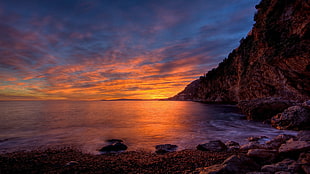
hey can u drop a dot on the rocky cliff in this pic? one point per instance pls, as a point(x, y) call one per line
point(272, 61)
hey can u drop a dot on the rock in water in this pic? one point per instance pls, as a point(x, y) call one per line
point(164, 148)
point(295, 117)
point(114, 147)
point(216, 146)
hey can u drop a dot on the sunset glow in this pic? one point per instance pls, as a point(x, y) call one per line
point(93, 50)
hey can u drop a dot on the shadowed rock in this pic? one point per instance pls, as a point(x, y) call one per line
point(303, 135)
point(165, 148)
point(295, 117)
point(216, 146)
point(114, 147)
point(294, 147)
point(263, 154)
point(236, 164)
point(287, 165)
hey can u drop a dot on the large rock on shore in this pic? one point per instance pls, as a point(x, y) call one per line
point(262, 109)
point(294, 147)
point(295, 117)
point(287, 165)
point(262, 154)
point(236, 164)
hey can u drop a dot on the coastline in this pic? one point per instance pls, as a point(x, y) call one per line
point(284, 153)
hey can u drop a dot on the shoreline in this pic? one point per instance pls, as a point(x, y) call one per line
point(284, 153)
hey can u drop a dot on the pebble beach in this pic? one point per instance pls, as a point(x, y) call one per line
point(71, 160)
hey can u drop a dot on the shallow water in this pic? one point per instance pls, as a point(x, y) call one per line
point(26, 125)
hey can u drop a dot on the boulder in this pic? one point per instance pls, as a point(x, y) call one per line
point(294, 147)
point(265, 108)
point(164, 148)
point(263, 154)
point(303, 135)
point(232, 165)
point(232, 146)
point(294, 118)
point(239, 164)
point(216, 146)
point(276, 142)
point(287, 165)
point(115, 147)
point(250, 145)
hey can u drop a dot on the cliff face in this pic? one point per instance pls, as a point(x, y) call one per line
point(272, 61)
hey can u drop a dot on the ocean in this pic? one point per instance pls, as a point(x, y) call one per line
point(29, 125)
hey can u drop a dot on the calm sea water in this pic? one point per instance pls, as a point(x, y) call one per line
point(26, 125)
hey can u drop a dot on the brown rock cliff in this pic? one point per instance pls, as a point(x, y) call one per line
point(272, 61)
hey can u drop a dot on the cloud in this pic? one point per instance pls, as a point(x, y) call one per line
point(113, 49)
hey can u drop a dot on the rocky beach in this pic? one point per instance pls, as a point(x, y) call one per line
point(283, 154)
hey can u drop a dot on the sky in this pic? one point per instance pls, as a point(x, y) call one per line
point(114, 49)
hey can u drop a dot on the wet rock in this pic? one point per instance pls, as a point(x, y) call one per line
point(258, 173)
point(304, 161)
point(295, 118)
point(115, 147)
point(263, 154)
point(294, 147)
point(232, 146)
point(262, 109)
point(164, 148)
point(276, 142)
point(250, 145)
point(287, 165)
point(303, 135)
point(215, 146)
point(257, 138)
